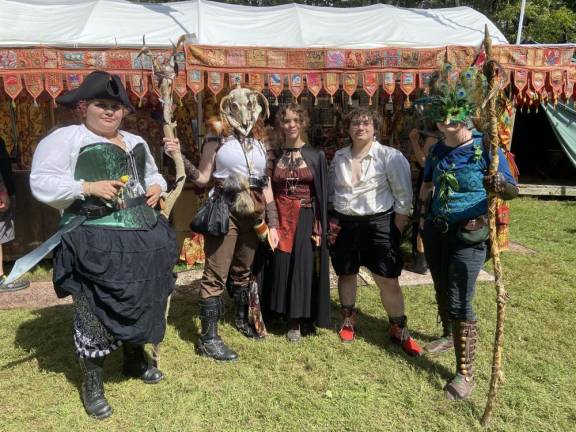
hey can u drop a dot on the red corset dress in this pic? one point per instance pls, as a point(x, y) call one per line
point(293, 190)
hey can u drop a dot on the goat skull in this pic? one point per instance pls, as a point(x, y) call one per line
point(241, 108)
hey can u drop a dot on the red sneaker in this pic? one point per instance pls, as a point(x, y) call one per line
point(347, 330)
point(401, 336)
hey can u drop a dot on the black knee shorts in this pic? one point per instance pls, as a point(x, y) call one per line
point(369, 241)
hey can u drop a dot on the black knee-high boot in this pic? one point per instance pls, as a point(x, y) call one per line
point(210, 344)
point(138, 365)
point(92, 391)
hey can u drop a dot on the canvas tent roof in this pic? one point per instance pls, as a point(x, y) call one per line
point(120, 23)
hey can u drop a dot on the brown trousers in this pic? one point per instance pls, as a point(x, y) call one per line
point(230, 254)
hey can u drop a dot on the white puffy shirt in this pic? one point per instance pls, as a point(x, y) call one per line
point(52, 177)
point(385, 182)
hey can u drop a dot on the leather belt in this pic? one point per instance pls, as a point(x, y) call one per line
point(94, 211)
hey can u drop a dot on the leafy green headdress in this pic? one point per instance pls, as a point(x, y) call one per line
point(454, 96)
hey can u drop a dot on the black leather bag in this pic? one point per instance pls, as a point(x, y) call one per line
point(212, 218)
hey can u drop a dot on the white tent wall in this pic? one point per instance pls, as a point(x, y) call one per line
point(120, 23)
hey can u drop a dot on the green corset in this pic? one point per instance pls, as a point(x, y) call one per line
point(106, 161)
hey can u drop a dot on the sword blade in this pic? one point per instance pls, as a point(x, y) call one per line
point(25, 263)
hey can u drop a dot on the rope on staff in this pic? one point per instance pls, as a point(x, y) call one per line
point(166, 74)
point(497, 376)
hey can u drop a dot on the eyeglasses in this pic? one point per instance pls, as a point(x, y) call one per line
point(358, 123)
point(108, 106)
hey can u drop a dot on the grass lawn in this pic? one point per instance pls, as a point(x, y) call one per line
point(320, 384)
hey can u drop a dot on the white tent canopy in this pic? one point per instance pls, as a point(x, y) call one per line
point(109, 23)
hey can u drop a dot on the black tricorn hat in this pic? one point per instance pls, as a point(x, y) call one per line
point(97, 85)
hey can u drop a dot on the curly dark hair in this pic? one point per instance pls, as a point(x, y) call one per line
point(357, 113)
point(302, 115)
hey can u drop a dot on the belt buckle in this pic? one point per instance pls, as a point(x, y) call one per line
point(441, 225)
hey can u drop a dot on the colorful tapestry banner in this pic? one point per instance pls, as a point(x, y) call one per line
point(195, 80)
point(180, 84)
point(389, 82)
point(215, 82)
point(73, 80)
point(12, 85)
point(139, 84)
point(538, 80)
point(425, 81)
point(34, 84)
point(556, 81)
point(54, 84)
point(370, 84)
point(276, 84)
point(331, 83)
point(408, 82)
point(350, 84)
point(235, 79)
point(296, 84)
point(520, 79)
point(314, 83)
point(256, 81)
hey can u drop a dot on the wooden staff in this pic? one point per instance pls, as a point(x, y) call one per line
point(497, 376)
point(165, 74)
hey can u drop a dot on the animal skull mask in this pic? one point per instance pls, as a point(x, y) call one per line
point(241, 108)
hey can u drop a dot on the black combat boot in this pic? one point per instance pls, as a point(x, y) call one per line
point(138, 365)
point(419, 264)
point(242, 301)
point(92, 391)
point(210, 344)
point(465, 338)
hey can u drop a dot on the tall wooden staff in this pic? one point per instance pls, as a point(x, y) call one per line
point(501, 295)
point(165, 74)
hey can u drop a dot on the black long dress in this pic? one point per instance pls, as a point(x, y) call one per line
point(298, 281)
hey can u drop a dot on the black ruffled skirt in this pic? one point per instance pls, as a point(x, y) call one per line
point(126, 276)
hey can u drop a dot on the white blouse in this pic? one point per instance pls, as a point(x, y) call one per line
point(384, 183)
point(52, 177)
point(230, 159)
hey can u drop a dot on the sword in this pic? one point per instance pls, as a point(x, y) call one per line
point(25, 263)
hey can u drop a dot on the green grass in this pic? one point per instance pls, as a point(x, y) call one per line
point(320, 384)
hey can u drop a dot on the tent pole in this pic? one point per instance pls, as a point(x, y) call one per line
point(520, 22)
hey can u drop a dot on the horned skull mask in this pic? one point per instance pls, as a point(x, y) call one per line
point(241, 108)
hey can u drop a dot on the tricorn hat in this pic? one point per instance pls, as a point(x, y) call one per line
point(97, 85)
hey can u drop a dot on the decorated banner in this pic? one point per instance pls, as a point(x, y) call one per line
point(12, 85)
point(139, 84)
point(73, 80)
point(195, 80)
point(256, 81)
point(505, 79)
point(314, 83)
point(538, 80)
point(570, 83)
point(370, 84)
point(426, 81)
point(389, 82)
point(54, 84)
point(408, 82)
point(349, 84)
point(296, 84)
point(180, 84)
point(235, 79)
point(556, 82)
point(215, 82)
point(521, 83)
point(34, 85)
point(331, 84)
point(276, 85)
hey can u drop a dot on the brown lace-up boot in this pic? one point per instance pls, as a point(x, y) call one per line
point(465, 337)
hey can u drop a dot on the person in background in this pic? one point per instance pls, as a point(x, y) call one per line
point(7, 215)
point(371, 197)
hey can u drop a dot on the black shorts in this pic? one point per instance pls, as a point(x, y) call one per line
point(369, 241)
